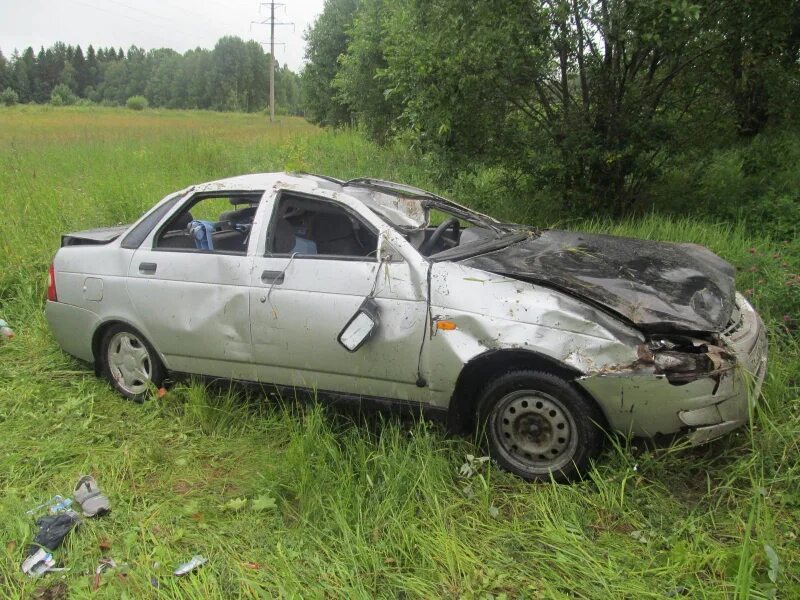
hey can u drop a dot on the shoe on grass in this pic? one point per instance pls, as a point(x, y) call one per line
point(93, 502)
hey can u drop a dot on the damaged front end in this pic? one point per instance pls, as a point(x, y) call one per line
point(683, 359)
point(700, 385)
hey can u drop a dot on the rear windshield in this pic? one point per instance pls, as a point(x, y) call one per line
point(138, 234)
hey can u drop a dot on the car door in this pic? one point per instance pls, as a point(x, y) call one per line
point(315, 265)
point(193, 300)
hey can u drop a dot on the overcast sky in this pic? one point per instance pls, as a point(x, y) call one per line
point(177, 24)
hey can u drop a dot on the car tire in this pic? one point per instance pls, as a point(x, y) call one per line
point(540, 426)
point(130, 364)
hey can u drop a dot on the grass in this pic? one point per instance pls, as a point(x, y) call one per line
point(286, 499)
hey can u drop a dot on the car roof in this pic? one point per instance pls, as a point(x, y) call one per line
point(401, 204)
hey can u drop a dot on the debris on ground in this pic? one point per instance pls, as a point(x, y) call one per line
point(55, 505)
point(92, 500)
point(53, 530)
point(105, 563)
point(38, 563)
point(188, 567)
point(6, 333)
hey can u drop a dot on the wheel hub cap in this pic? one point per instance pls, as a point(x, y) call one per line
point(129, 362)
point(535, 430)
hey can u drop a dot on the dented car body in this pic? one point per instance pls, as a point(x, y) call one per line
point(352, 290)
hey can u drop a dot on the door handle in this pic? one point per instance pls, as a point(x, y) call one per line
point(273, 277)
point(147, 268)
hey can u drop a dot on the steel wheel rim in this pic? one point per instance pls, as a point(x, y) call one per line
point(129, 363)
point(534, 431)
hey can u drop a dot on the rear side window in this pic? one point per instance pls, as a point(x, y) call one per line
point(138, 234)
point(308, 226)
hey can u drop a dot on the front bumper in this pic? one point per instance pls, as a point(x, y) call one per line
point(643, 403)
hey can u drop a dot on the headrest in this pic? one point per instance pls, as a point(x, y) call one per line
point(238, 216)
point(283, 238)
point(332, 226)
point(181, 222)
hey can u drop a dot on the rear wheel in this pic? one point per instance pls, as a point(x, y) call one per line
point(539, 425)
point(130, 363)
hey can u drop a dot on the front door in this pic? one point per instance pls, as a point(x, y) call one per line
point(315, 268)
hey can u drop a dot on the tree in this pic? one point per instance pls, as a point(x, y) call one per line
point(757, 61)
point(360, 83)
point(326, 41)
point(24, 73)
point(581, 95)
point(8, 97)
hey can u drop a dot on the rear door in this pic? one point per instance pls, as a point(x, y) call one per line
point(194, 299)
point(314, 266)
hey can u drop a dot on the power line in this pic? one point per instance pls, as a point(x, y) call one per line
point(271, 22)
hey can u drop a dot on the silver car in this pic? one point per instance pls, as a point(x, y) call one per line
point(387, 295)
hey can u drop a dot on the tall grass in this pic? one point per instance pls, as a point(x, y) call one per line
point(287, 499)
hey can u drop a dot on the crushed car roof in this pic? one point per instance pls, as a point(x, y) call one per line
point(402, 204)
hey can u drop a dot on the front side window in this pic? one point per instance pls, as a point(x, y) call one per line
point(211, 223)
point(312, 227)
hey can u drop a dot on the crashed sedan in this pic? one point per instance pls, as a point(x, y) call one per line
point(386, 295)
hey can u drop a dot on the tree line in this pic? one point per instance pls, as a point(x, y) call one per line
point(589, 99)
point(233, 76)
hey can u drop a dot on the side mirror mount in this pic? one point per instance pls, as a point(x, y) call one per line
point(387, 252)
point(361, 326)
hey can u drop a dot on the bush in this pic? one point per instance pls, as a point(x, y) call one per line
point(9, 97)
point(137, 103)
point(62, 95)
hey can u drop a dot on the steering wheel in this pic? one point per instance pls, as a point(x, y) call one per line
point(437, 234)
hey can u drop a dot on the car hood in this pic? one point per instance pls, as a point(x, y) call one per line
point(658, 286)
point(101, 235)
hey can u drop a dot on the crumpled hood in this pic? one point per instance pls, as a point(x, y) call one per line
point(659, 286)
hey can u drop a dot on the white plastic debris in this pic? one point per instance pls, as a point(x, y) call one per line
point(6, 333)
point(38, 563)
point(188, 567)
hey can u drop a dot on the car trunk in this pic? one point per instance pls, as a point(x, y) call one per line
point(93, 237)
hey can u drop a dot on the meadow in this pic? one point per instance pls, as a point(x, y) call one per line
point(289, 500)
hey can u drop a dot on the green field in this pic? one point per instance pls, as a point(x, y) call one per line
point(289, 500)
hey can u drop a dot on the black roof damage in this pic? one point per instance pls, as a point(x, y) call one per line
point(658, 286)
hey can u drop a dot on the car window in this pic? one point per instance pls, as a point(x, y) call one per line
point(137, 235)
point(211, 223)
point(315, 227)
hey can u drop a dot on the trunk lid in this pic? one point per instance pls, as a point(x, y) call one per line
point(101, 235)
point(658, 286)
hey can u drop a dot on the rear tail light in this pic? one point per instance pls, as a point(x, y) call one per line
point(51, 285)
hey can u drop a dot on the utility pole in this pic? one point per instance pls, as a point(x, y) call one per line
point(271, 21)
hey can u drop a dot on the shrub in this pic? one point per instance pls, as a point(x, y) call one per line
point(62, 95)
point(9, 97)
point(137, 103)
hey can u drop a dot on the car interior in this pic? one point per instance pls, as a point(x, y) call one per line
point(445, 232)
point(305, 226)
point(206, 226)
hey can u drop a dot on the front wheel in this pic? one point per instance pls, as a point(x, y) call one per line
point(539, 425)
point(130, 364)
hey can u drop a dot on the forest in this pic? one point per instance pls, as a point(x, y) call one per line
point(583, 107)
point(233, 76)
